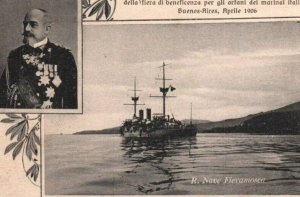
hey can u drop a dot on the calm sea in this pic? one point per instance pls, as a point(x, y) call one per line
point(109, 164)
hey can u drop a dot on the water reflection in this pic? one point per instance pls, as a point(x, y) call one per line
point(110, 165)
point(168, 164)
point(153, 157)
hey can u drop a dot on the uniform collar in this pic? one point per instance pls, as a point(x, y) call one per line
point(46, 47)
point(41, 43)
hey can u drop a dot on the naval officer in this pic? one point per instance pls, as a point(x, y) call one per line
point(39, 74)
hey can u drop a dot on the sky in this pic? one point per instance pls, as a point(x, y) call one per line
point(227, 70)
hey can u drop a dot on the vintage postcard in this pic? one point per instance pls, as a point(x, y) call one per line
point(41, 57)
point(181, 97)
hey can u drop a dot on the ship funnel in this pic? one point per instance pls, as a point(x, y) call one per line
point(141, 113)
point(148, 113)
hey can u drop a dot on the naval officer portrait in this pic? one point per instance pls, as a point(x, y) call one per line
point(39, 74)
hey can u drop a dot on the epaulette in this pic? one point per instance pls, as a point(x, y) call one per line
point(60, 48)
point(16, 51)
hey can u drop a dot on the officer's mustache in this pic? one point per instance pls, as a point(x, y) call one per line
point(27, 34)
point(26, 37)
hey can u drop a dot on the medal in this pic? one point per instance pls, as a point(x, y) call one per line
point(44, 80)
point(39, 73)
point(51, 70)
point(50, 92)
point(47, 104)
point(26, 56)
point(46, 69)
point(40, 66)
point(56, 81)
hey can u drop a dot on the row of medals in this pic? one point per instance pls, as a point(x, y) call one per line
point(47, 72)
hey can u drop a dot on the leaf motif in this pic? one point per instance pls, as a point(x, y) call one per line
point(15, 116)
point(14, 128)
point(35, 176)
point(33, 147)
point(17, 150)
point(107, 9)
point(36, 172)
point(30, 169)
point(18, 130)
point(22, 133)
point(10, 147)
point(85, 4)
point(99, 14)
point(36, 139)
point(33, 171)
point(28, 149)
point(96, 7)
point(7, 120)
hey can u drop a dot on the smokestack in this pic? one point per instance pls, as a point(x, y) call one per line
point(148, 113)
point(141, 112)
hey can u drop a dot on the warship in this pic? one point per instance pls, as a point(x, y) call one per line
point(157, 125)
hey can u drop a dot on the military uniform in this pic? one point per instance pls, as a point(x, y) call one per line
point(40, 78)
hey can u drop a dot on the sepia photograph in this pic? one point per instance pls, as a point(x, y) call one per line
point(181, 109)
point(40, 57)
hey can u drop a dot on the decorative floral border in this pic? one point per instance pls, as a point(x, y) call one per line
point(103, 9)
point(25, 139)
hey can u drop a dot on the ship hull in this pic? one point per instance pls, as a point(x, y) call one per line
point(162, 133)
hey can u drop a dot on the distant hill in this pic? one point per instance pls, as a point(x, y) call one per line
point(114, 130)
point(187, 121)
point(289, 108)
point(285, 120)
point(223, 123)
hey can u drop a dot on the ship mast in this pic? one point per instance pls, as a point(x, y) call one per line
point(191, 120)
point(135, 98)
point(164, 90)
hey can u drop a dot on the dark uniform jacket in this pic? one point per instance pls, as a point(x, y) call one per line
point(39, 78)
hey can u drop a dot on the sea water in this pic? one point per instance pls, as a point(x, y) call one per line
point(112, 165)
